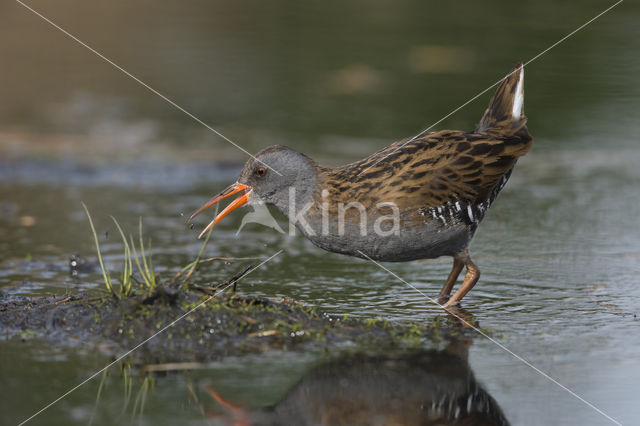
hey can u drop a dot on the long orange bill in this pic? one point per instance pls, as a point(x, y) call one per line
point(240, 201)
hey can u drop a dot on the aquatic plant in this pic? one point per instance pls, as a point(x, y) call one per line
point(146, 266)
point(105, 272)
point(127, 272)
point(140, 255)
point(191, 267)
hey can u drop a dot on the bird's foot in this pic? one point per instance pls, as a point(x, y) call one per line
point(446, 301)
point(443, 298)
point(450, 303)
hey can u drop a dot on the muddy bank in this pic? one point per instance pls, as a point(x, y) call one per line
point(221, 325)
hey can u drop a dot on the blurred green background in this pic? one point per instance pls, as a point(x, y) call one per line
point(335, 79)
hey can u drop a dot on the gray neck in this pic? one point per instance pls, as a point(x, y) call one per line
point(298, 184)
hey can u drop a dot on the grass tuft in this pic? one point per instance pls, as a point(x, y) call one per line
point(140, 255)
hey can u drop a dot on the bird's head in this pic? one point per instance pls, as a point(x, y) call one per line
point(272, 176)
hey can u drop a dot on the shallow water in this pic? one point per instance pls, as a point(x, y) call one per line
point(559, 251)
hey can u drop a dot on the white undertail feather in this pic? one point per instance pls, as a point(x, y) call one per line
point(519, 97)
point(506, 107)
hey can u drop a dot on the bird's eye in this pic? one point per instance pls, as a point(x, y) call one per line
point(261, 171)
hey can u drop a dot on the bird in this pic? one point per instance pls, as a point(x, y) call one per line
point(418, 198)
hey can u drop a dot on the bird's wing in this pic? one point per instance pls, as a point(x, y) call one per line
point(434, 169)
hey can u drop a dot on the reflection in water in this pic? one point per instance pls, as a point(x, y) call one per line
point(143, 386)
point(422, 387)
point(434, 387)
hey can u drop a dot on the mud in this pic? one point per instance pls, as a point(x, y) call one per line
point(219, 326)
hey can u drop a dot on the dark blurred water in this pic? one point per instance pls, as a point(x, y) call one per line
point(559, 251)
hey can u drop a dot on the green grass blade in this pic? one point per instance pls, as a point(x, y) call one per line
point(198, 257)
point(105, 273)
point(148, 271)
point(128, 264)
point(136, 257)
point(152, 272)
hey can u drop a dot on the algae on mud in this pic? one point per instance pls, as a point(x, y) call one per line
point(223, 325)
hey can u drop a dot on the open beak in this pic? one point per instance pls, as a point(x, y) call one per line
point(245, 196)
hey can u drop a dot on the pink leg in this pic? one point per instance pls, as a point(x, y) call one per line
point(453, 276)
point(470, 279)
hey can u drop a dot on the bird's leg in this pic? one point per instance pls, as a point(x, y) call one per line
point(470, 279)
point(453, 276)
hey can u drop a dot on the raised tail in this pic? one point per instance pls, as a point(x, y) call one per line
point(505, 113)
